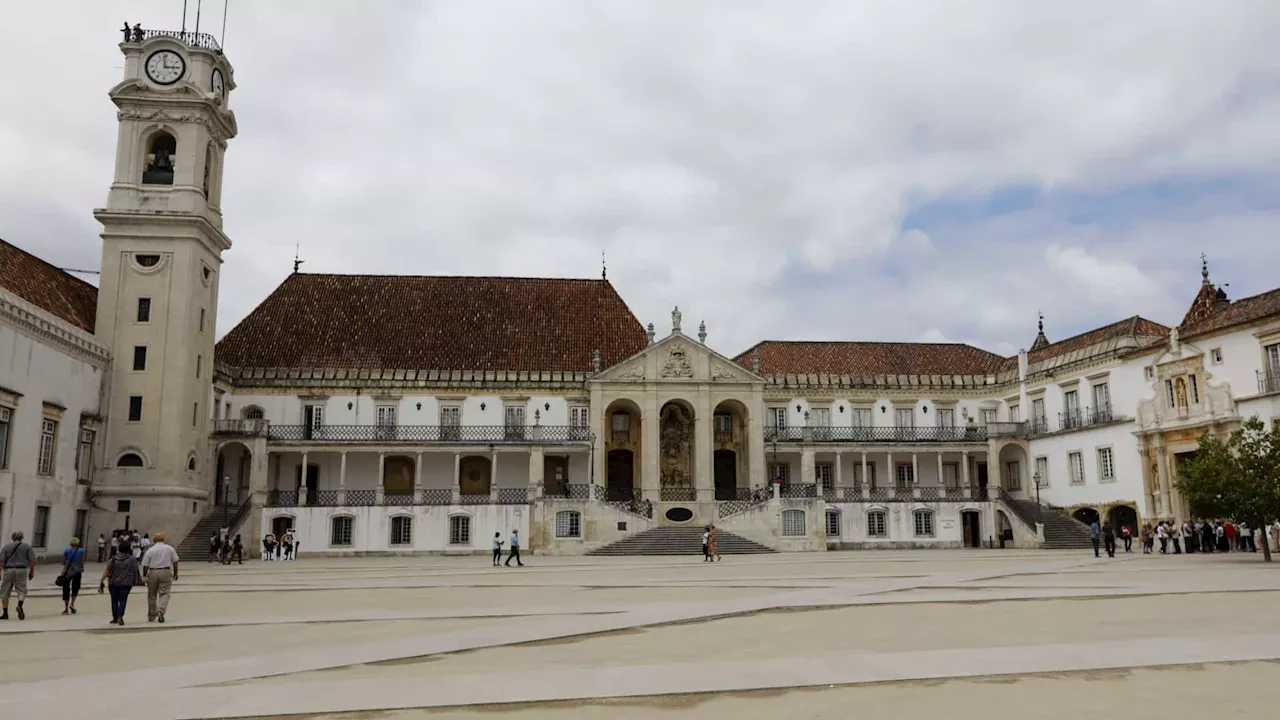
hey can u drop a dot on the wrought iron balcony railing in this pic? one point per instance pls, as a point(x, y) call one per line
point(190, 39)
point(424, 434)
point(1268, 382)
point(798, 490)
point(678, 494)
point(247, 428)
point(1070, 419)
point(282, 498)
point(965, 434)
point(567, 492)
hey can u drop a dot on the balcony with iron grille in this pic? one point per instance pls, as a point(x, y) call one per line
point(973, 434)
point(1268, 383)
point(137, 34)
point(231, 427)
point(427, 434)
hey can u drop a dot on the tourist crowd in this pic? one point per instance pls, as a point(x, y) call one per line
point(1203, 536)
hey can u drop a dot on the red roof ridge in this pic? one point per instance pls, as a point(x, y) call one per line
point(48, 287)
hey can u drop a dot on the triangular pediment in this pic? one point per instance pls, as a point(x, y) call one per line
point(677, 358)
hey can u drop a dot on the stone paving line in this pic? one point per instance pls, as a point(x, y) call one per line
point(24, 699)
point(704, 677)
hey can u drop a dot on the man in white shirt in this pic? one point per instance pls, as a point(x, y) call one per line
point(160, 568)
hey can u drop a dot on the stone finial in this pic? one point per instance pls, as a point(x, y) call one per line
point(702, 332)
point(755, 360)
point(1204, 268)
point(675, 320)
point(537, 417)
point(1175, 346)
point(595, 361)
point(650, 333)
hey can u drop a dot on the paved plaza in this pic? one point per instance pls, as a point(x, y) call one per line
point(953, 634)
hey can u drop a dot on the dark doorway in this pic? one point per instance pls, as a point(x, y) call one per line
point(726, 474)
point(281, 525)
point(982, 481)
point(219, 487)
point(971, 523)
point(1123, 515)
point(555, 475)
point(1088, 516)
point(621, 479)
point(313, 482)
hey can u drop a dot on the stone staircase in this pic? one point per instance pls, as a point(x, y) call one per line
point(1061, 531)
point(679, 541)
point(196, 543)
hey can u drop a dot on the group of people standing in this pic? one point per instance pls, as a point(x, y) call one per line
point(224, 548)
point(1204, 536)
point(284, 548)
point(710, 546)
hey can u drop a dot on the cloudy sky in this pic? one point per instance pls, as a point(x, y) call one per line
point(932, 170)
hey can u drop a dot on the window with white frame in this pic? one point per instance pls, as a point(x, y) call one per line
point(820, 417)
point(568, 524)
point(987, 415)
point(40, 527)
point(924, 523)
point(84, 456)
point(1102, 401)
point(514, 421)
point(340, 530)
point(946, 417)
point(578, 420)
point(1013, 475)
point(450, 422)
point(1042, 471)
point(6, 421)
point(951, 475)
point(877, 525)
point(1273, 360)
point(48, 444)
point(1075, 461)
point(385, 416)
point(904, 417)
point(253, 412)
point(793, 523)
point(779, 473)
point(401, 530)
point(1071, 409)
point(776, 418)
point(833, 523)
point(906, 475)
point(312, 419)
point(1106, 465)
point(459, 530)
point(620, 427)
point(861, 417)
point(1216, 356)
point(1015, 412)
point(1038, 415)
point(822, 476)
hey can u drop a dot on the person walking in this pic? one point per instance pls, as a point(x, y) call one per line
point(1095, 537)
point(160, 568)
point(515, 549)
point(1126, 534)
point(72, 572)
point(215, 545)
point(1162, 533)
point(226, 551)
point(497, 548)
point(237, 549)
point(713, 544)
point(19, 562)
point(124, 574)
point(102, 548)
point(1109, 539)
point(115, 543)
point(706, 544)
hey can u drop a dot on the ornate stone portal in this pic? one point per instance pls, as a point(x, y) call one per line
point(677, 447)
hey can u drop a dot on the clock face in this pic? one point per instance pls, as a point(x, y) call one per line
point(165, 67)
point(216, 83)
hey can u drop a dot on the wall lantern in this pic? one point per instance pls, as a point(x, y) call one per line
point(842, 408)
point(925, 409)
point(546, 406)
point(482, 407)
point(419, 406)
point(350, 405)
point(797, 407)
point(883, 409)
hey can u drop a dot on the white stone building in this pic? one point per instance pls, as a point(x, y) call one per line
point(410, 414)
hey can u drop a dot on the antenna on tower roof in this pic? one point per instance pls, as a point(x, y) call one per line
point(297, 245)
point(223, 40)
point(604, 269)
point(184, 17)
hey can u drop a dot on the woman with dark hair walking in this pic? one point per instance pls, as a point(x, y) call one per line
point(124, 573)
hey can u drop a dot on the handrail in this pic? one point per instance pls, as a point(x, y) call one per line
point(1017, 508)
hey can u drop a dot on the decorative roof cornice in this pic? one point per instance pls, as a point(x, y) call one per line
point(373, 378)
point(49, 328)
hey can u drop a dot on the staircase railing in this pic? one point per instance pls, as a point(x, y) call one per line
point(229, 516)
point(1018, 508)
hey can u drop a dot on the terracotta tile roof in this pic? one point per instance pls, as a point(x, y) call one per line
point(1245, 310)
point(47, 287)
point(1142, 331)
point(442, 323)
point(871, 358)
point(1203, 304)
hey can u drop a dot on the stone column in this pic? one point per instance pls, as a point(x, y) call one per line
point(703, 448)
point(808, 468)
point(493, 478)
point(302, 481)
point(599, 427)
point(650, 473)
point(864, 480)
point(342, 477)
point(457, 478)
point(380, 491)
point(258, 481)
point(892, 484)
point(536, 467)
point(941, 482)
point(839, 476)
point(417, 478)
point(964, 462)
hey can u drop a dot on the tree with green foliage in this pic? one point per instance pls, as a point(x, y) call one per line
point(1237, 478)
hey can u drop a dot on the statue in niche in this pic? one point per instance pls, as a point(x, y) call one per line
point(676, 446)
point(1180, 392)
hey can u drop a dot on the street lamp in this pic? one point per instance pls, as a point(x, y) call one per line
point(1036, 478)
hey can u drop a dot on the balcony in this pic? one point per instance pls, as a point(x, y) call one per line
point(1089, 417)
point(190, 39)
point(1268, 383)
point(242, 428)
point(876, 435)
point(429, 434)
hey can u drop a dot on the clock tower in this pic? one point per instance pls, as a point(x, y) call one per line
point(162, 245)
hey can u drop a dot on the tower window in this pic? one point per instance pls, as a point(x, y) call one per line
point(159, 169)
point(135, 408)
point(147, 260)
point(144, 309)
point(139, 358)
point(201, 319)
point(198, 359)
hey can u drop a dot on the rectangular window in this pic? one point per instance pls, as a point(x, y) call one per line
point(195, 414)
point(988, 416)
point(793, 523)
point(906, 475)
point(924, 523)
point(135, 408)
point(578, 422)
point(84, 458)
point(48, 443)
point(198, 362)
point(1015, 411)
point(951, 475)
point(1168, 391)
point(722, 425)
point(904, 417)
point(514, 422)
point(340, 531)
point(201, 319)
point(946, 417)
point(1038, 416)
point(862, 417)
point(777, 418)
point(1273, 360)
point(1076, 461)
point(1106, 465)
point(833, 523)
point(40, 527)
point(139, 358)
point(1071, 409)
point(144, 310)
point(459, 530)
point(820, 417)
point(780, 473)
point(6, 420)
point(1216, 355)
point(385, 416)
point(1102, 400)
point(401, 530)
point(82, 524)
point(822, 476)
point(620, 427)
point(876, 525)
point(568, 524)
point(1012, 475)
point(1042, 471)
point(124, 506)
point(1195, 390)
point(450, 422)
